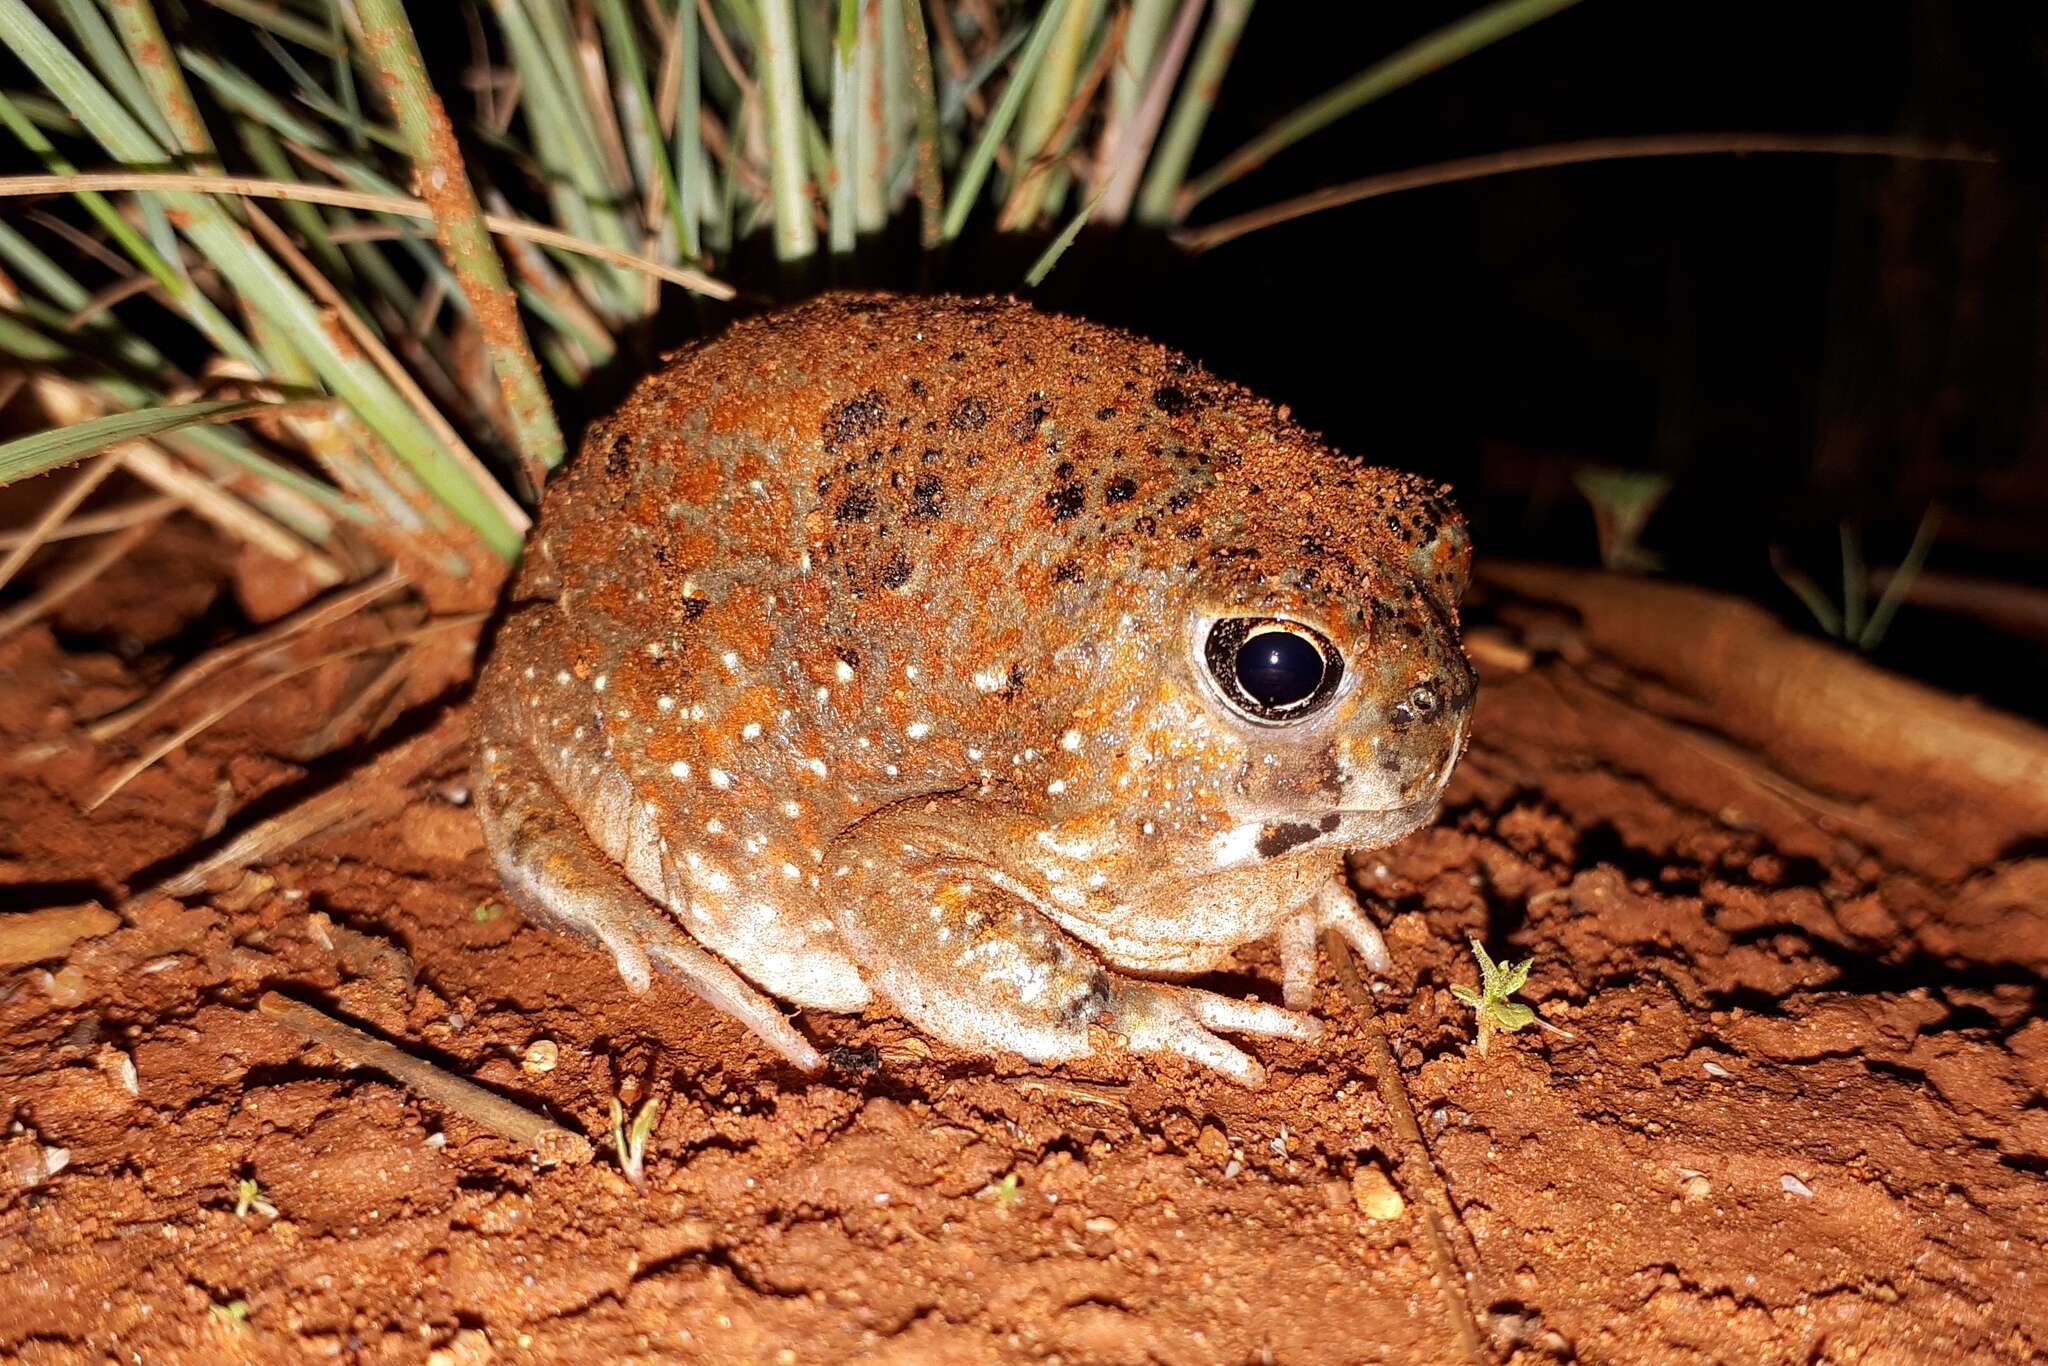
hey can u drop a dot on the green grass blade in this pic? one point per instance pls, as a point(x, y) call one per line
point(1411, 63)
point(931, 192)
point(974, 173)
point(104, 50)
point(210, 321)
point(286, 25)
point(1191, 111)
point(443, 179)
point(846, 100)
point(1045, 106)
point(1901, 580)
point(262, 283)
point(1057, 248)
point(624, 45)
point(1852, 583)
point(691, 185)
point(41, 451)
point(782, 91)
point(1808, 592)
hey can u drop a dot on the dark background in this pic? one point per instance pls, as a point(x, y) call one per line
point(1798, 341)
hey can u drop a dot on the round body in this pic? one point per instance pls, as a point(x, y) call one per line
point(886, 630)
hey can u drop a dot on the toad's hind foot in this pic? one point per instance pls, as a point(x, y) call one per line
point(555, 875)
point(1152, 1017)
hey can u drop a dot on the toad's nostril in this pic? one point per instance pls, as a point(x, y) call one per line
point(1422, 702)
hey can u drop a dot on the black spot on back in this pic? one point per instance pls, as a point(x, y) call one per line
point(848, 422)
point(857, 506)
point(928, 496)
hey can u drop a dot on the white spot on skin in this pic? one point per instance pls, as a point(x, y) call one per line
point(720, 778)
point(1055, 787)
point(731, 661)
point(751, 731)
point(714, 826)
point(791, 810)
point(1236, 845)
point(599, 682)
point(917, 730)
point(665, 702)
point(562, 676)
point(843, 671)
point(990, 680)
point(1074, 848)
point(816, 766)
point(1071, 741)
point(790, 870)
point(910, 672)
point(679, 769)
point(824, 694)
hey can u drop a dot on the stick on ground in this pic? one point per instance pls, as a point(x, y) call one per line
point(1413, 1163)
point(33, 936)
point(549, 1140)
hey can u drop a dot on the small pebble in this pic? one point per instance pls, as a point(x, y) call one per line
point(1713, 1069)
point(1101, 1223)
point(1375, 1195)
point(541, 1056)
point(1794, 1186)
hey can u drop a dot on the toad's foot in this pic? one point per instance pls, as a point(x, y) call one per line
point(556, 876)
point(960, 948)
point(1154, 1018)
point(1331, 908)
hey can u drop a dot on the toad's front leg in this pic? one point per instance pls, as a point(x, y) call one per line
point(958, 947)
point(1332, 908)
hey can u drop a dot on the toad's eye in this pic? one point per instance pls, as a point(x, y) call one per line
point(1272, 670)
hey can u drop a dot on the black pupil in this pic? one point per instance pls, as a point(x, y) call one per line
point(1279, 668)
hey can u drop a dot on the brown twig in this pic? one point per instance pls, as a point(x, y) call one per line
point(250, 187)
point(334, 606)
point(94, 523)
point(549, 1140)
point(1416, 1168)
point(158, 750)
point(63, 505)
point(376, 789)
point(59, 589)
point(33, 936)
point(1565, 154)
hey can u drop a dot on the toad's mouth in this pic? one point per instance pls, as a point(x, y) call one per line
point(1351, 826)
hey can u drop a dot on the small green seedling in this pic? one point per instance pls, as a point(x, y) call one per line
point(1622, 502)
point(1497, 982)
point(487, 911)
point(1005, 1192)
point(631, 1142)
point(233, 1315)
point(249, 1196)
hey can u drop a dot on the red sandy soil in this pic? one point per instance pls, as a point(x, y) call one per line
point(1799, 1117)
